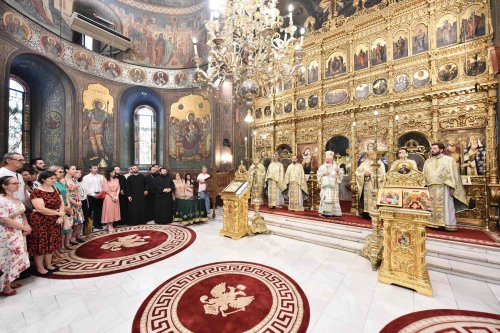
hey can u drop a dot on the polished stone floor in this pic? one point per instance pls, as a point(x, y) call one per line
point(342, 290)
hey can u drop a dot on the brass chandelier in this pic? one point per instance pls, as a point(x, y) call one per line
point(249, 45)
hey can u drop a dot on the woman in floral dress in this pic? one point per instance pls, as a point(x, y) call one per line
point(45, 221)
point(75, 211)
point(13, 226)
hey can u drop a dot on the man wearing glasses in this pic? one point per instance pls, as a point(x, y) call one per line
point(14, 162)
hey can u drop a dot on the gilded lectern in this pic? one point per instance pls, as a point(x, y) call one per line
point(404, 206)
point(235, 197)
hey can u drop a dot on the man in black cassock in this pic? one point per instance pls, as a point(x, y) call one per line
point(136, 191)
point(123, 196)
point(150, 198)
point(164, 189)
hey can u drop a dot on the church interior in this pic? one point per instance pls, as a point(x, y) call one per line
point(175, 165)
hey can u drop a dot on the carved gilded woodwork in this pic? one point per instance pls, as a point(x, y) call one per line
point(432, 89)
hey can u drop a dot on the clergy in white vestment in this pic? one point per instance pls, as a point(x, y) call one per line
point(274, 178)
point(295, 179)
point(445, 188)
point(329, 177)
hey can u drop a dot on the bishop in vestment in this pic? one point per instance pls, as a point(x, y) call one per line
point(297, 187)
point(274, 178)
point(329, 177)
point(445, 188)
point(365, 181)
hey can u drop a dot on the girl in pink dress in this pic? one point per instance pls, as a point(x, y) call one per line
point(111, 205)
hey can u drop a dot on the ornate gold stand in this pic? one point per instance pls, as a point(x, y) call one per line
point(235, 197)
point(404, 249)
point(312, 201)
point(374, 242)
point(258, 226)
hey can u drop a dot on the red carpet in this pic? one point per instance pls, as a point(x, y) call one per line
point(126, 249)
point(463, 234)
point(445, 321)
point(225, 297)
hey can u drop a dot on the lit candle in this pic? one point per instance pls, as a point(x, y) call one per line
point(397, 120)
point(246, 147)
point(290, 10)
point(376, 128)
point(195, 46)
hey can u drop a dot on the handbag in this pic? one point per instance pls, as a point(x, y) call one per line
point(101, 195)
point(67, 223)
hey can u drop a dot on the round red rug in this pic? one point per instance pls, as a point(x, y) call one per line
point(225, 297)
point(444, 321)
point(128, 248)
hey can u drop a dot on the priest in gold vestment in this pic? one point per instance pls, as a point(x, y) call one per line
point(274, 178)
point(403, 165)
point(365, 181)
point(297, 187)
point(445, 188)
point(329, 177)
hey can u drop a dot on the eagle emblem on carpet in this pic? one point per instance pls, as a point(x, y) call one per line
point(225, 297)
point(223, 300)
point(129, 248)
point(126, 241)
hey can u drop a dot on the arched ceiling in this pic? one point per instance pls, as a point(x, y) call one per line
point(160, 30)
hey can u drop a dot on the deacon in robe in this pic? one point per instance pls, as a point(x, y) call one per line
point(330, 175)
point(150, 197)
point(274, 179)
point(403, 164)
point(445, 188)
point(136, 191)
point(297, 187)
point(365, 181)
point(163, 188)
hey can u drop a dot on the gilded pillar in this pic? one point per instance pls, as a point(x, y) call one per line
point(435, 119)
point(392, 139)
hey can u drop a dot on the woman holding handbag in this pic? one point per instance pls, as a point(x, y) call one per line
point(66, 228)
point(75, 211)
point(111, 205)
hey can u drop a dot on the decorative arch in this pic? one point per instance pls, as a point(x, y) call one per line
point(52, 97)
point(418, 146)
point(129, 101)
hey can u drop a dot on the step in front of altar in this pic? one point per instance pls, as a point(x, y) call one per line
point(468, 260)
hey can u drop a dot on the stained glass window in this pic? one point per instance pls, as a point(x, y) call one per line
point(145, 135)
point(16, 110)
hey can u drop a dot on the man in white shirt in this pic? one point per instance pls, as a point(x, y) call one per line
point(14, 162)
point(92, 183)
point(129, 172)
point(202, 188)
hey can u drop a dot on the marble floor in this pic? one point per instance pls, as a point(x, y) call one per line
point(342, 290)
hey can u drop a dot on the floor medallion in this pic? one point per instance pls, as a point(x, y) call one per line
point(225, 297)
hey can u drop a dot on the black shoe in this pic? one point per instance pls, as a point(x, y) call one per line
point(74, 243)
point(80, 240)
point(53, 270)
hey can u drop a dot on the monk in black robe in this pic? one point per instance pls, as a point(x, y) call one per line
point(164, 189)
point(123, 196)
point(136, 190)
point(150, 198)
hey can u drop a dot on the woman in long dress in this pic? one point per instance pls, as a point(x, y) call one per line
point(75, 211)
point(46, 221)
point(13, 226)
point(189, 186)
point(180, 187)
point(111, 205)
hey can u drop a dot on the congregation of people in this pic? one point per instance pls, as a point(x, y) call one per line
point(45, 211)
